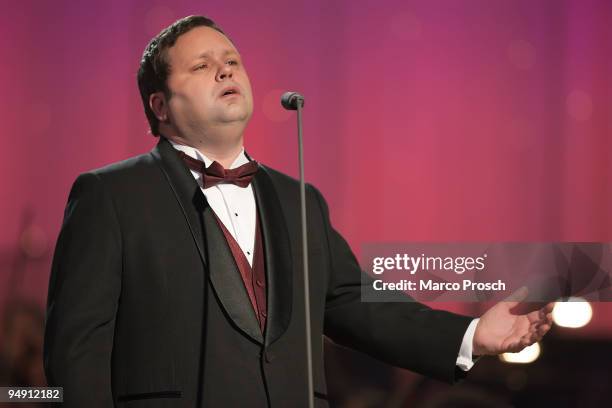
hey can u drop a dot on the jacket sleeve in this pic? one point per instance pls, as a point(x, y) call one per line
point(405, 334)
point(84, 290)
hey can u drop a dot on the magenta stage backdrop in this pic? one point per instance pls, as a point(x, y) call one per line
point(424, 120)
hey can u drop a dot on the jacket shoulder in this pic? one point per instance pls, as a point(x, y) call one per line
point(285, 182)
point(288, 188)
point(125, 179)
point(279, 177)
point(130, 165)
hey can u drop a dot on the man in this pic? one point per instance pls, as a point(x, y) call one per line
point(177, 283)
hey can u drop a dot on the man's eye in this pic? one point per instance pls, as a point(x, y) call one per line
point(232, 62)
point(201, 66)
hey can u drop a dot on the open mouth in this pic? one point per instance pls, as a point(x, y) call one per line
point(230, 91)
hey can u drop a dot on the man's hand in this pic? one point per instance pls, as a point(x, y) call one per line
point(503, 329)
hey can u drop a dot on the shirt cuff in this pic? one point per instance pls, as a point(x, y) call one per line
point(465, 360)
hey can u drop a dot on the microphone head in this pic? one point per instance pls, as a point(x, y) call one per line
point(289, 100)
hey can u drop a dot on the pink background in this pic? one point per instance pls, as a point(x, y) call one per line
point(424, 121)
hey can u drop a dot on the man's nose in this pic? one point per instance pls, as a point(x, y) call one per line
point(224, 73)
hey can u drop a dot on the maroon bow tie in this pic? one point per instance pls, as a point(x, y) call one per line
point(215, 173)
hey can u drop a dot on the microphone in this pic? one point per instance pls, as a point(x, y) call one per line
point(289, 100)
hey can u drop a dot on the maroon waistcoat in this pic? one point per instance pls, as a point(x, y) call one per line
point(254, 278)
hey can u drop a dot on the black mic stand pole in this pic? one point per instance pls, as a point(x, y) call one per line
point(295, 101)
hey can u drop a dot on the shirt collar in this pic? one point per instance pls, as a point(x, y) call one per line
point(196, 154)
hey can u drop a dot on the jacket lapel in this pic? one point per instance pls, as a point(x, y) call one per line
point(185, 188)
point(214, 251)
point(226, 280)
point(279, 270)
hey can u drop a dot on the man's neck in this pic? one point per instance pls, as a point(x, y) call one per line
point(224, 157)
point(224, 154)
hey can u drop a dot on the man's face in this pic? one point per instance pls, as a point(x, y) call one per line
point(208, 84)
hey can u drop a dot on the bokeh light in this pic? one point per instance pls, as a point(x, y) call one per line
point(527, 355)
point(574, 313)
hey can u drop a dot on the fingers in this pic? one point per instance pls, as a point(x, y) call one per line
point(529, 339)
point(529, 329)
point(546, 311)
point(520, 344)
point(519, 341)
point(541, 316)
point(534, 317)
point(534, 334)
point(537, 332)
point(541, 326)
point(542, 330)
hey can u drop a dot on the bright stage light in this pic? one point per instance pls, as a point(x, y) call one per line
point(574, 313)
point(525, 356)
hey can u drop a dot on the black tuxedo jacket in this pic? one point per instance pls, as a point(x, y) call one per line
point(146, 307)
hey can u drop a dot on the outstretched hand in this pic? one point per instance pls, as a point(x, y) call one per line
point(503, 329)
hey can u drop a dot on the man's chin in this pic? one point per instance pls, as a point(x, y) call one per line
point(235, 116)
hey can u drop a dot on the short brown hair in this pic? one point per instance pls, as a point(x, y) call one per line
point(154, 67)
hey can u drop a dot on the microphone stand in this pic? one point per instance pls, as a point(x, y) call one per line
point(295, 101)
point(300, 102)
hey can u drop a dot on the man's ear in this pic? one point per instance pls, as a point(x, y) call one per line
point(159, 105)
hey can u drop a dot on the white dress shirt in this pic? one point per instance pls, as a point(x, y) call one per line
point(235, 206)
